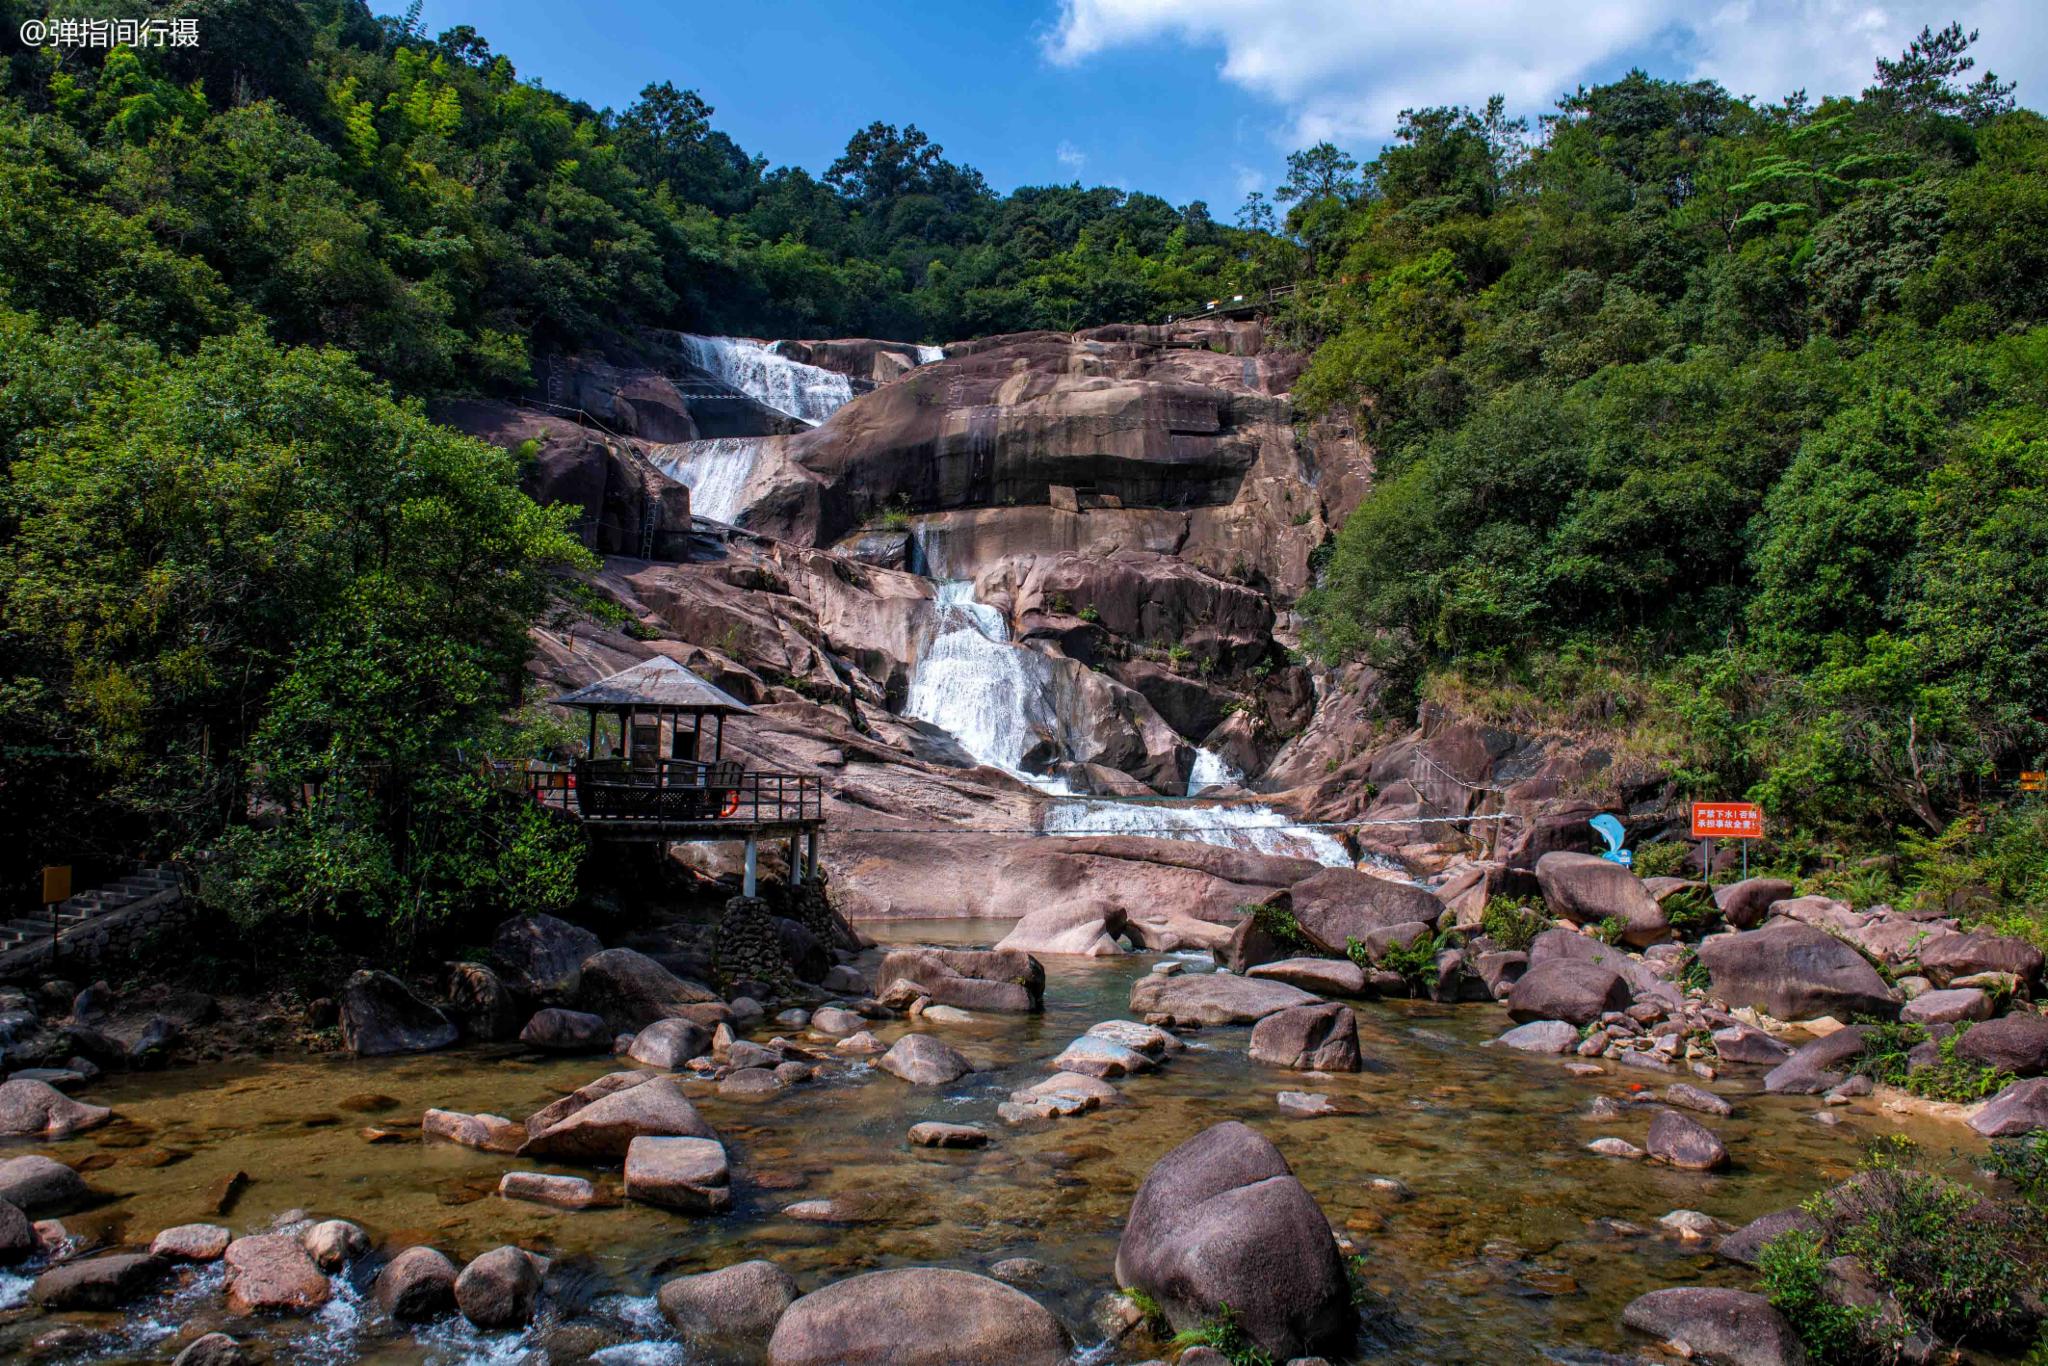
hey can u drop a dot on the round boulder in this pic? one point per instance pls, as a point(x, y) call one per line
point(1566, 989)
point(1685, 1143)
point(1221, 1220)
point(543, 955)
point(2015, 1043)
point(923, 1060)
point(35, 1109)
point(917, 1316)
point(1317, 1038)
point(416, 1286)
point(271, 1273)
point(555, 1030)
point(1726, 1325)
point(668, 1044)
point(380, 1016)
point(499, 1289)
point(1587, 889)
point(1795, 972)
point(735, 1308)
point(38, 1185)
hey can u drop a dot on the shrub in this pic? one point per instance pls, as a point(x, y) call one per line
point(1226, 1335)
point(1414, 961)
point(1886, 1059)
point(1608, 931)
point(1279, 924)
point(1663, 858)
point(1794, 1279)
point(2024, 1163)
point(1511, 925)
point(1089, 614)
point(1691, 911)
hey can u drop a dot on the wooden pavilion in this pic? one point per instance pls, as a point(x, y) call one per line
point(661, 774)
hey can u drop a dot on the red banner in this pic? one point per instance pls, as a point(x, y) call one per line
point(1727, 821)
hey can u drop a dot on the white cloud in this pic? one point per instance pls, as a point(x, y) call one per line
point(1344, 69)
point(1070, 156)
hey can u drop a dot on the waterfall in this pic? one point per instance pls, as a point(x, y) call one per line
point(997, 699)
point(994, 697)
point(716, 472)
point(930, 355)
point(1211, 770)
point(770, 378)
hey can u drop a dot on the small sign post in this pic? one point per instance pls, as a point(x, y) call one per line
point(56, 890)
point(1728, 820)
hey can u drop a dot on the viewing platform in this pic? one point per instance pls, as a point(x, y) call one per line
point(647, 776)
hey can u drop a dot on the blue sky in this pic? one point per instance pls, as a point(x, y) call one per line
point(1188, 99)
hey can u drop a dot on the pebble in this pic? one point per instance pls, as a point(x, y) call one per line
point(933, 1134)
point(1615, 1147)
point(1306, 1104)
point(1168, 969)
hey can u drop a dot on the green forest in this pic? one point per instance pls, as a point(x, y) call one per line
point(1712, 426)
point(1719, 427)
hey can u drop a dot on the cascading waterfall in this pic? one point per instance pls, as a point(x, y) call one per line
point(996, 698)
point(930, 355)
point(1211, 770)
point(716, 472)
point(756, 369)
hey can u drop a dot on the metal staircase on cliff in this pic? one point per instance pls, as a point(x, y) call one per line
point(122, 892)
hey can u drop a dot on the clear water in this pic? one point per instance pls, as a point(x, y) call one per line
point(1495, 1257)
point(762, 373)
point(716, 472)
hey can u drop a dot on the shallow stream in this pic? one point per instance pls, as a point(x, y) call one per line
point(1494, 1256)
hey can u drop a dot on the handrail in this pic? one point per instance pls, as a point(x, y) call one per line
point(676, 791)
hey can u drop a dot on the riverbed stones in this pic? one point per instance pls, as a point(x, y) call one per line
point(631, 991)
point(1096, 1056)
point(214, 1349)
point(17, 1235)
point(1951, 1006)
point(488, 1133)
point(1337, 905)
point(934, 1134)
point(751, 1083)
point(416, 1286)
point(272, 1273)
point(38, 1185)
point(668, 1044)
point(1726, 1325)
point(1540, 1036)
point(917, 1316)
point(380, 1017)
point(1085, 929)
point(1745, 904)
point(1746, 1244)
point(2020, 1108)
point(734, 1309)
point(107, 1281)
point(1746, 1043)
point(2015, 1043)
point(1069, 1092)
point(1795, 972)
point(1566, 989)
point(1221, 1220)
point(554, 1112)
point(923, 1060)
point(1944, 958)
point(1686, 1096)
point(1323, 976)
point(973, 979)
point(1312, 1038)
point(679, 1173)
point(35, 1109)
point(1305, 1104)
point(603, 1130)
point(835, 1021)
point(1685, 1143)
point(547, 1188)
point(556, 1030)
point(1615, 1147)
point(860, 1044)
point(1150, 1040)
point(1819, 1065)
point(1213, 998)
point(499, 1289)
point(334, 1243)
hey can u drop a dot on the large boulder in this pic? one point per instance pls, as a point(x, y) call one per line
point(18, 1236)
point(1540, 1036)
point(104, 1282)
point(2020, 1108)
point(1314, 1038)
point(681, 1173)
point(1566, 989)
point(380, 1016)
point(1561, 941)
point(1745, 904)
point(272, 1273)
point(482, 1003)
point(35, 1109)
point(1221, 1220)
point(603, 1130)
point(1213, 998)
point(610, 1084)
point(1731, 1326)
point(39, 1185)
point(922, 1060)
point(499, 1289)
point(1587, 889)
point(1085, 928)
point(1946, 957)
point(542, 955)
point(1324, 976)
point(2015, 1043)
point(1338, 905)
point(1746, 1244)
point(631, 991)
point(1795, 972)
point(917, 1316)
point(416, 1286)
point(1819, 1065)
point(972, 979)
point(733, 1309)
point(668, 1044)
point(555, 1030)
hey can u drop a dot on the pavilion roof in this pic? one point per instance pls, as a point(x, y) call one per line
point(656, 682)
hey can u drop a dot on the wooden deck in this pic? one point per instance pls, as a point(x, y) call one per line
point(679, 799)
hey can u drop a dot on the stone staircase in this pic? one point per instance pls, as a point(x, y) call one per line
point(140, 885)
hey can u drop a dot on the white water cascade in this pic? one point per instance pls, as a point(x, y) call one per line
point(996, 698)
point(930, 355)
point(756, 369)
point(1211, 769)
point(716, 472)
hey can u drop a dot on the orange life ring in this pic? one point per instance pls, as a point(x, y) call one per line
point(732, 803)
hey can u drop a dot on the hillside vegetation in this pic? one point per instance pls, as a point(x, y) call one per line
point(1719, 423)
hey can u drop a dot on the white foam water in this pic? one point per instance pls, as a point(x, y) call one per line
point(993, 696)
point(1211, 769)
point(716, 472)
point(930, 355)
point(808, 393)
point(1257, 829)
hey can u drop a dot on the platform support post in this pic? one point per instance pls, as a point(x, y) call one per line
point(796, 862)
point(811, 850)
point(753, 857)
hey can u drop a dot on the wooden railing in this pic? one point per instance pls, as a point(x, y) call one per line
point(676, 791)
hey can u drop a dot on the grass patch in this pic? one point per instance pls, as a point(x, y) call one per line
point(1793, 1276)
point(1511, 925)
point(1414, 961)
point(1608, 931)
point(1279, 925)
point(1226, 1335)
point(1887, 1050)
